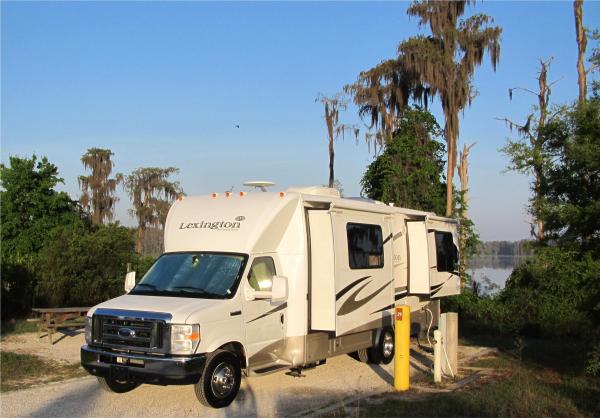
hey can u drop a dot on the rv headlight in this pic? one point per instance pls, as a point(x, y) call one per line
point(184, 338)
point(88, 330)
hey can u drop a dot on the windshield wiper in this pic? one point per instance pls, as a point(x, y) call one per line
point(192, 289)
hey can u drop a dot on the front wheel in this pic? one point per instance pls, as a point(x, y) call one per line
point(220, 381)
point(116, 386)
point(383, 352)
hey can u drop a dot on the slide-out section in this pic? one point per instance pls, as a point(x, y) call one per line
point(418, 258)
point(322, 271)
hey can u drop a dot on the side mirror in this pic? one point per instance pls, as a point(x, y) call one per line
point(129, 281)
point(279, 292)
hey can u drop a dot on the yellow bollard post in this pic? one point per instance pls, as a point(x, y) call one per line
point(402, 348)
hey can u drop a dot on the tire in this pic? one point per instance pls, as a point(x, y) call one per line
point(383, 352)
point(360, 355)
point(116, 386)
point(220, 381)
point(363, 355)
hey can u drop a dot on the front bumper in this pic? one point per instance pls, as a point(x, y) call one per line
point(141, 368)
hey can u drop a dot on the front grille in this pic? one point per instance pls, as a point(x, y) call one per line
point(129, 333)
point(140, 332)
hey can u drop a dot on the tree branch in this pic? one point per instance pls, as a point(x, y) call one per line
point(592, 68)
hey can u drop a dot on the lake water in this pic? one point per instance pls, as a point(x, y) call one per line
point(491, 273)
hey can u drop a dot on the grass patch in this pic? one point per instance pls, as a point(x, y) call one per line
point(525, 393)
point(496, 362)
point(22, 370)
point(536, 378)
point(532, 377)
point(17, 326)
point(562, 355)
point(521, 395)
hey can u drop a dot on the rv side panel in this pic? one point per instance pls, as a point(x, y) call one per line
point(400, 256)
point(363, 271)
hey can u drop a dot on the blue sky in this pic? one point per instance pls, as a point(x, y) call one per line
point(164, 84)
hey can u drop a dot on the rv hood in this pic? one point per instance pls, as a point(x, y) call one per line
point(179, 308)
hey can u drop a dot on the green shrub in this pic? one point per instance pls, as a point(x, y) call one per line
point(480, 313)
point(84, 268)
point(593, 361)
point(553, 293)
point(17, 290)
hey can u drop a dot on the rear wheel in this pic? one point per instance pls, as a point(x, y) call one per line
point(363, 355)
point(220, 381)
point(116, 386)
point(360, 355)
point(383, 352)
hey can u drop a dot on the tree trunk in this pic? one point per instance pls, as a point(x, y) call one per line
point(450, 176)
point(536, 144)
point(540, 229)
point(463, 175)
point(331, 157)
point(539, 235)
point(581, 46)
point(139, 239)
point(96, 212)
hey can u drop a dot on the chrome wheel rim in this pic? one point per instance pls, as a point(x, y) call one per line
point(388, 344)
point(223, 380)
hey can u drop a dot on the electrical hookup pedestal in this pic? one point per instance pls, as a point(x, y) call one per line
point(445, 357)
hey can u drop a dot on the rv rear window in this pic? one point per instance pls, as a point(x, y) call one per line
point(447, 253)
point(365, 246)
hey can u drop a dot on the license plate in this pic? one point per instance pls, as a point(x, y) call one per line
point(119, 373)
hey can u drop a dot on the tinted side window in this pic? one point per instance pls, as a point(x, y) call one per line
point(447, 253)
point(365, 246)
point(261, 274)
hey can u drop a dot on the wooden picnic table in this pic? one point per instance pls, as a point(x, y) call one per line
point(51, 319)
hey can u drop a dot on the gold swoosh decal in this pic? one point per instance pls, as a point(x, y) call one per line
point(351, 304)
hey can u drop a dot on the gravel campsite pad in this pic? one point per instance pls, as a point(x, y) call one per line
point(342, 380)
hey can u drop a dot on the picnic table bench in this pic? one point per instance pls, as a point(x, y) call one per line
point(51, 319)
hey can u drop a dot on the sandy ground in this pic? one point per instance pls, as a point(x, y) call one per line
point(342, 379)
point(65, 348)
point(276, 394)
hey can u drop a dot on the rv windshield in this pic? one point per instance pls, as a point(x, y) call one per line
point(197, 275)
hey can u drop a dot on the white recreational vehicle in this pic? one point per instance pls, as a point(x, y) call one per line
point(259, 282)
